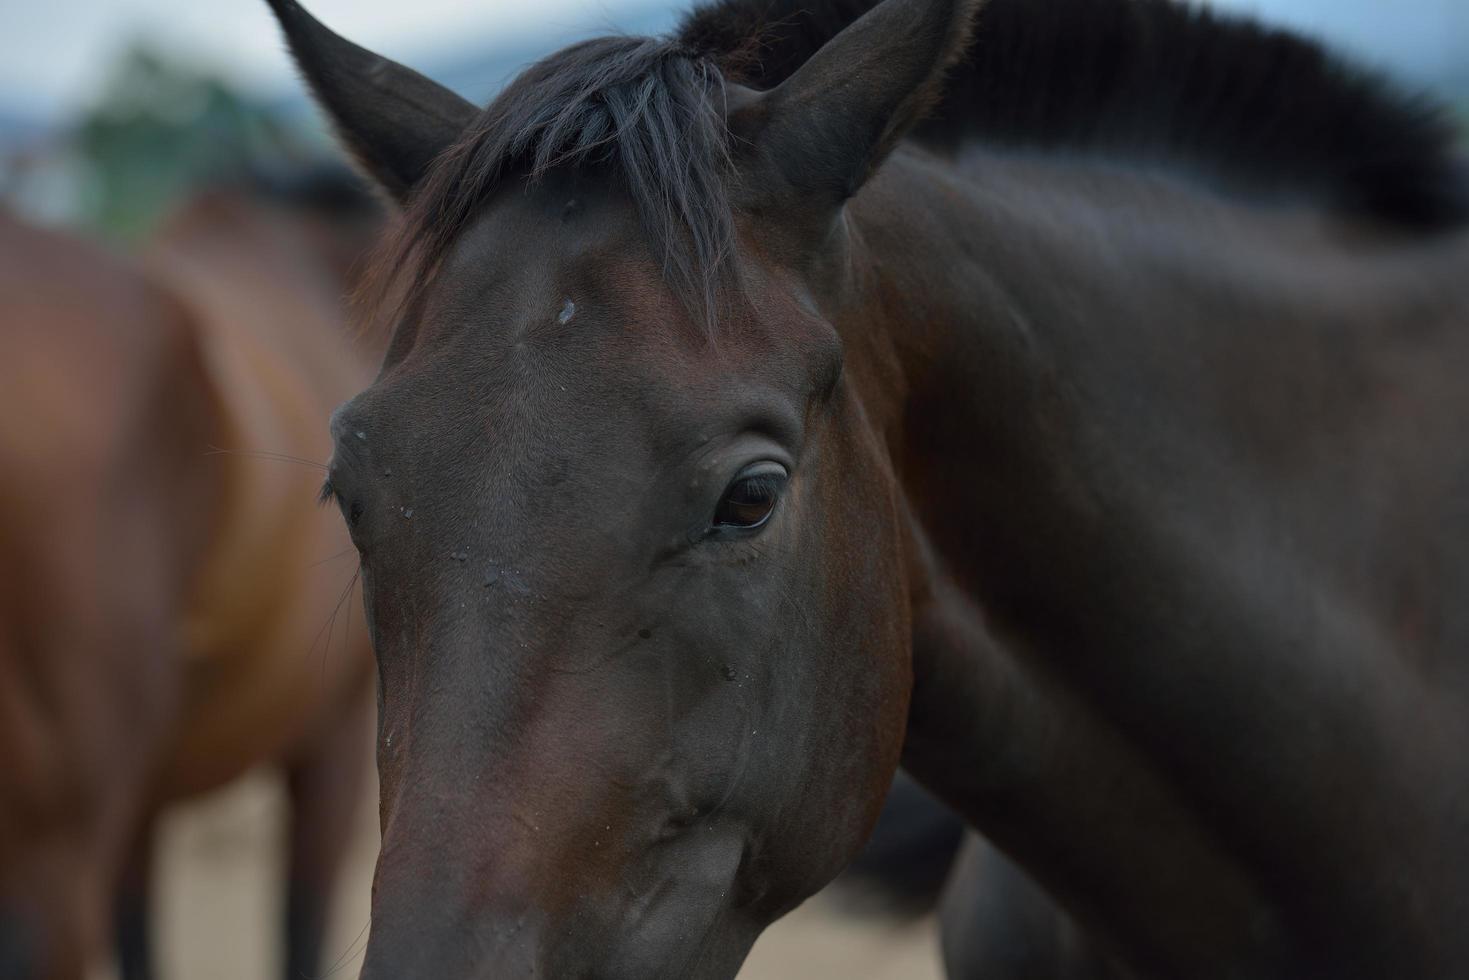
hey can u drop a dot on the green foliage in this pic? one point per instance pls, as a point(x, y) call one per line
point(160, 128)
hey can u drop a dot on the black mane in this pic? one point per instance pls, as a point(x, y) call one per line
point(1250, 109)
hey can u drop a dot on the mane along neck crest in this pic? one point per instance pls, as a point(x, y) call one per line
point(1255, 110)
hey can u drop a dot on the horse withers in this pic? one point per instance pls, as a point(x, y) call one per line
point(1065, 398)
point(171, 611)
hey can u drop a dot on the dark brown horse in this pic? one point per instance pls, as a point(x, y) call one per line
point(1095, 444)
point(164, 621)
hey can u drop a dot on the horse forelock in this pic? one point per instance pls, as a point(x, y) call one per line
point(649, 110)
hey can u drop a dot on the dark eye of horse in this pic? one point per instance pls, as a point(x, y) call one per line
point(751, 498)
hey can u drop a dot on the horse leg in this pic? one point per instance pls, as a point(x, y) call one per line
point(997, 924)
point(53, 911)
point(324, 781)
point(132, 905)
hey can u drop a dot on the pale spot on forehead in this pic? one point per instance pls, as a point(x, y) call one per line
point(567, 312)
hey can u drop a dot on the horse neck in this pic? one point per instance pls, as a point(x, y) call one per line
point(1088, 658)
point(1003, 739)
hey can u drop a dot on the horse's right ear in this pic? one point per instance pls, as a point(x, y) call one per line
point(395, 121)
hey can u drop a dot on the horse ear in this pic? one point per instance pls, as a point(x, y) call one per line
point(395, 121)
point(829, 125)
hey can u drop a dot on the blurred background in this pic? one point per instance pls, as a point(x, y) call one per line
point(113, 112)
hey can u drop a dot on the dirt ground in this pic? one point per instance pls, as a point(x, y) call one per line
point(216, 913)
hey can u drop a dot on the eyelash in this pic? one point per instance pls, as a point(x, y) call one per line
point(766, 486)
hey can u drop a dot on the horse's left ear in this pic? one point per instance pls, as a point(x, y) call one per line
point(828, 126)
point(392, 119)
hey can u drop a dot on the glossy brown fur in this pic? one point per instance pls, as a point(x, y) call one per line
point(166, 610)
point(1126, 499)
point(1207, 602)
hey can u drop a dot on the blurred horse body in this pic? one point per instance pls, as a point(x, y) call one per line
point(102, 515)
point(183, 409)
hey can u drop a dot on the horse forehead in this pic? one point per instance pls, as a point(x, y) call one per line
point(535, 388)
point(572, 313)
point(525, 274)
point(573, 320)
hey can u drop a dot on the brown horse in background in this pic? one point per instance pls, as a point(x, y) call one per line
point(169, 616)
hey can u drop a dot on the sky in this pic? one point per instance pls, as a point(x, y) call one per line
point(55, 53)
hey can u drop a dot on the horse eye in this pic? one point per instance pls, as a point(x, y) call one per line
point(751, 498)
